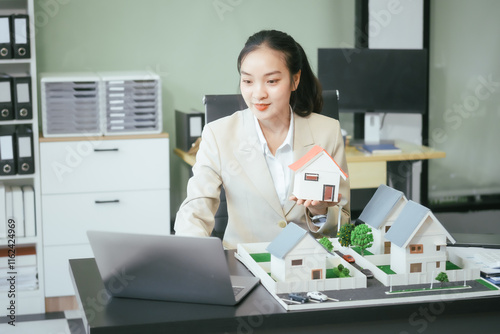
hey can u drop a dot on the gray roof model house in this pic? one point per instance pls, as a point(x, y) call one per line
point(380, 213)
point(418, 241)
point(297, 255)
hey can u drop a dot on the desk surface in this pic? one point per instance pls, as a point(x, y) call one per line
point(260, 313)
point(409, 152)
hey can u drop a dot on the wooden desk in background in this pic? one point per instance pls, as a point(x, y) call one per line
point(370, 170)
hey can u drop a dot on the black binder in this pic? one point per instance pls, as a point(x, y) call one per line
point(188, 126)
point(24, 149)
point(6, 104)
point(7, 153)
point(21, 97)
point(20, 29)
point(5, 38)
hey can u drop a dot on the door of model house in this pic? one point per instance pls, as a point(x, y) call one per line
point(328, 191)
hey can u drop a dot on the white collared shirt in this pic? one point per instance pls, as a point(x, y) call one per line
point(278, 163)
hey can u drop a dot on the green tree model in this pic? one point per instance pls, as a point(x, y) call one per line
point(344, 234)
point(442, 277)
point(340, 271)
point(326, 243)
point(362, 236)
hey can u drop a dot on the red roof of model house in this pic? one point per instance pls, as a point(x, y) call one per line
point(309, 156)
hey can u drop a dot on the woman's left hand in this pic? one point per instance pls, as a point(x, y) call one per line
point(315, 207)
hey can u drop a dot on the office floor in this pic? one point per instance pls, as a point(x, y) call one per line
point(67, 322)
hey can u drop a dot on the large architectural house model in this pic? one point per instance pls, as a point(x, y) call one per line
point(317, 176)
point(295, 262)
point(418, 241)
point(380, 213)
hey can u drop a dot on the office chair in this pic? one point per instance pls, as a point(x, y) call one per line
point(331, 103)
point(218, 106)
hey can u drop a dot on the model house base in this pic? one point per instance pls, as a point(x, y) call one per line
point(357, 290)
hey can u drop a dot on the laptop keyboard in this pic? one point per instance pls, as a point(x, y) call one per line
point(237, 289)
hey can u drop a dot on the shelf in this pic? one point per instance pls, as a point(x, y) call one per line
point(28, 301)
point(14, 61)
point(16, 178)
point(17, 122)
point(20, 241)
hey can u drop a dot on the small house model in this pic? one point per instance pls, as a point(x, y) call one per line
point(317, 176)
point(380, 213)
point(297, 256)
point(418, 241)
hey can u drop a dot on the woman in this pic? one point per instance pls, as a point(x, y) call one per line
point(248, 153)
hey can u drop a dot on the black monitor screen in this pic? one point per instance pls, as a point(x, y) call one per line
point(376, 80)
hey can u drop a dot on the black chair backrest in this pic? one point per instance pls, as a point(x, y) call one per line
point(331, 103)
point(217, 106)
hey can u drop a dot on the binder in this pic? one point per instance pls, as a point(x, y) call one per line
point(24, 150)
point(5, 41)
point(3, 215)
point(7, 154)
point(21, 96)
point(29, 211)
point(17, 210)
point(188, 127)
point(8, 204)
point(6, 104)
point(20, 36)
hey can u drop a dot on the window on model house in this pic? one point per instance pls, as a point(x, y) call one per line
point(416, 268)
point(297, 262)
point(317, 274)
point(416, 249)
point(311, 177)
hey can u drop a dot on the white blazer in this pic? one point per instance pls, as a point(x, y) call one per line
point(230, 156)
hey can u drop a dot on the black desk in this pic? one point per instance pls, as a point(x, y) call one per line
point(260, 313)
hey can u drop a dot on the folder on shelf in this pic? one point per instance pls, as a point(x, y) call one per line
point(24, 152)
point(188, 126)
point(6, 103)
point(5, 44)
point(8, 204)
point(7, 154)
point(21, 96)
point(20, 36)
point(18, 210)
point(3, 215)
point(29, 211)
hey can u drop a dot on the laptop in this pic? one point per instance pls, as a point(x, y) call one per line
point(168, 268)
point(476, 240)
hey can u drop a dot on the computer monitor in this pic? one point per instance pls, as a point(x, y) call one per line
point(376, 80)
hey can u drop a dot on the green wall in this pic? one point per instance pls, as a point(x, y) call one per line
point(191, 44)
point(464, 101)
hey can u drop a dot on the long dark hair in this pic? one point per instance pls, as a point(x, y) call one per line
point(307, 97)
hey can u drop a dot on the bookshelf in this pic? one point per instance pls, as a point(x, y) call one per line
point(27, 300)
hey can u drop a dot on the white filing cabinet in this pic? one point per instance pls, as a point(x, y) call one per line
point(107, 183)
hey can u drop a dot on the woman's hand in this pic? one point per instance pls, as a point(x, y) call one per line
point(315, 207)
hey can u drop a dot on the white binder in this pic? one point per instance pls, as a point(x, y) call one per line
point(3, 212)
point(29, 211)
point(18, 210)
